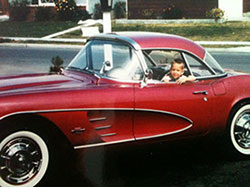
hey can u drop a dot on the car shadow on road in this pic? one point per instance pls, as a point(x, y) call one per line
point(173, 164)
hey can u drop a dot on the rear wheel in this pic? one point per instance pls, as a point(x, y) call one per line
point(240, 129)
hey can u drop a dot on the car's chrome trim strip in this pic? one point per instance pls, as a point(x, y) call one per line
point(129, 140)
point(165, 112)
point(109, 134)
point(92, 109)
point(116, 37)
point(61, 110)
point(97, 119)
point(103, 127)
point(120, 80)
point(165, 134)
point(102, 144)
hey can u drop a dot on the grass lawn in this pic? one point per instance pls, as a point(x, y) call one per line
point(33, 29)
point(230, 31)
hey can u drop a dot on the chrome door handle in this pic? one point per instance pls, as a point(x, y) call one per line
point(204, 92)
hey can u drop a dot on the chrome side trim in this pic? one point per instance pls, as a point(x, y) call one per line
point(165, 134)
point(116, 37)
point(121, 80)
point(103, 127)
point(129, 140)
point(61, 110)
point(97, 119)
point(109, 134)
point(169, 113)
point(92, 109)
point(102, 144)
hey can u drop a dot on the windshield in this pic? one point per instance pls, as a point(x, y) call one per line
point(80, 60)
point(110, 59)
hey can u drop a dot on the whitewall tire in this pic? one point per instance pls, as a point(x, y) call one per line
point(240, 130)
point(24, 159)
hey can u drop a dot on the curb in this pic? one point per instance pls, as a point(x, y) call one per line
point(65, 46)
point(78, 40)
point(233, 49)
point(70, 46)
point(223, 43)
point(64, 40)
point(240, 46)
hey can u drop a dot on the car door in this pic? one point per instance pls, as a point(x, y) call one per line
point(167, 109)
point(170, 109)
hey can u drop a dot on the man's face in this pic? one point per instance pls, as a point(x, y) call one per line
point(177, 70)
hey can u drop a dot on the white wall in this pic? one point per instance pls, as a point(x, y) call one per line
point(233, 8)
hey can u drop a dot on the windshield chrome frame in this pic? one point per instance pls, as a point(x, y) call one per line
point(127, 41)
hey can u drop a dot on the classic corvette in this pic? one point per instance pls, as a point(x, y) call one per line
point(112, 93)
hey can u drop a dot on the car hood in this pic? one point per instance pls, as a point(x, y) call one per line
point(37, 83)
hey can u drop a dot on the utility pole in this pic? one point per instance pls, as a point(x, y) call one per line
point(106, 6)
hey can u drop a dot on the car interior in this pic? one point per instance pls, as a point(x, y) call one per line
point(159, 61)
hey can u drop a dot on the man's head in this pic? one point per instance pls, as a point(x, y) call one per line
point(177, 68)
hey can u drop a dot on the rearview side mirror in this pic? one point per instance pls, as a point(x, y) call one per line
point(149, 74)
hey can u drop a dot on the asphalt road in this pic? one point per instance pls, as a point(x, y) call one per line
point(234, 60)
point(22, 59)
point(188, 164)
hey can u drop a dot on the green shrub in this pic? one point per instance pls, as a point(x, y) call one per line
point(80, 14)
point(147, 13)
point(120, 10)
point(43, 14)
point(216, 14)
point(65, 9)
point(68, 11)
point(172, 12)
point(57, 64)
point(34, 2)
point(97, 11)
point(19, 10)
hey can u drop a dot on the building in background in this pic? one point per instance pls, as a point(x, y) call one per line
point(155, 9)
point(233, 8)
point(91, 4)
point(3, 7)
point(184, 9)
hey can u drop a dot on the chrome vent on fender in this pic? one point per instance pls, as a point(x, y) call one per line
point(101, 122)
point(97, 119)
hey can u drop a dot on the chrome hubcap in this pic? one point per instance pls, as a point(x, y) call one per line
point(20, 160)
point(242, 130)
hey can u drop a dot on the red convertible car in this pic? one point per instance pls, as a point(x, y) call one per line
point(112, 93)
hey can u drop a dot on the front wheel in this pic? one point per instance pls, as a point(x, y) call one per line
point(240, 129)
point(24, 159)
